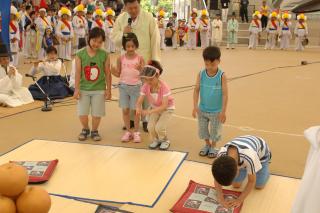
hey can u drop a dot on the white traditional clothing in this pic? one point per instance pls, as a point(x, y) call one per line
point(204, 27)
point(146, 29)
point(30, 38)
point(98, 23)
point(11, 91)
point(216, 37)
point(285, 34)
point(162, 29)
point(307, 200)
point(14, 41)
point(175, 35)
point(255, 28)
point(65, 31)
point(48, 68)
point(232, 29)
point(193, 26)
point(109, 24)
point(301, 32)
point(42, 24)
point(272, 30)
point(80, 27)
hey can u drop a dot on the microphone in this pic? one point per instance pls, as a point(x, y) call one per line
point(129, 21)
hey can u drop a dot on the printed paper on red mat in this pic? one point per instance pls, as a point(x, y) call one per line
point(200, 198)
point(38, 171)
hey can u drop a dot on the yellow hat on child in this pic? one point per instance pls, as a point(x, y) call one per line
point(98, 12)
point(64, 11)
point(302, 16)
point(257, 13)
point(286, 15)
point(162, 13)
point(80, 8)
point(204, 13)
point(110, 12)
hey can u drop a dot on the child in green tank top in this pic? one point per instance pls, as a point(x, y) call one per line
point(92, 83)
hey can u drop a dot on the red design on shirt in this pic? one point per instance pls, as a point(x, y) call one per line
point(91, 72)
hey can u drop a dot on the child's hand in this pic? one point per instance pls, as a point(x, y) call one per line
point(76, 94)
point(222, 117)
point(139, 67)
point(138, 111)
point(145, 112)
point(224, 203)
point(107, 95)
point(195, 112)
point(234, 203)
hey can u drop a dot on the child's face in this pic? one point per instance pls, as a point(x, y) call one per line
point(211, 65)
point(96, 43)
point(12, 17)
point(65, 17)
point(52, 56)
point(130, 47)
point(194, 15)
point(301, 20)
point(48, 32)
point(89, 15)
point(152, 81)
point(4, 61)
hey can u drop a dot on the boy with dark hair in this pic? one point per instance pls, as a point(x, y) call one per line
point(243, 156)
point(211, 86)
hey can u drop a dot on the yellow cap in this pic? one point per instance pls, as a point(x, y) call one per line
point(162, 13)
point(204, 13)
point(64, 11)
point(110, 12)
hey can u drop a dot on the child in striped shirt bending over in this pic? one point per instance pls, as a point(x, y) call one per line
point(243, 156)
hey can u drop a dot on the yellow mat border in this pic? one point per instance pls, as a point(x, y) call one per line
point(108, 201)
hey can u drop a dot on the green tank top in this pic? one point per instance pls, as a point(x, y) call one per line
point(92, 70)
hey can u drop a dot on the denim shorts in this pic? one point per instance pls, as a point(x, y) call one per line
point(262, 175)
point(129, 95)
point(93, 101)
point(209, 126)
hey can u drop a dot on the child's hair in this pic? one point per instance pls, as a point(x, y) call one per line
point(211, 53)
point(129, 37)
point(32, 13)
point(96, 32)
point(51, 49)
point(174, 14)
point(156, 64)
point(224, 170)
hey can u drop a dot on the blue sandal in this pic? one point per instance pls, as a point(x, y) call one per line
point(204, 151)
point(213, 152)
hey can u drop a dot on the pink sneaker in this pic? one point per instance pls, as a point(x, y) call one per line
point(126, 137)
point(136, 137)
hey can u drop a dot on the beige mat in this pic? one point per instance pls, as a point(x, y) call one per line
point(7, 111)
point(63, 205)
point(276, 197)
point(103, 173)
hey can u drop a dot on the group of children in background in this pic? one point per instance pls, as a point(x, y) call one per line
point(277, 26)
point(36, 30)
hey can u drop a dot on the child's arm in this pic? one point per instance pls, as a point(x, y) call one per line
point(76, 94)
point(222, 115)
point(196, 97)
point(108, 78)
point(248, 188)
point(220, 196)
point(116, 71)
point(141, 64)
point(139, 104)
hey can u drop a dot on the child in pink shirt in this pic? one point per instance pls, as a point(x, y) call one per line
point(128, 69)
point(159, 97)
